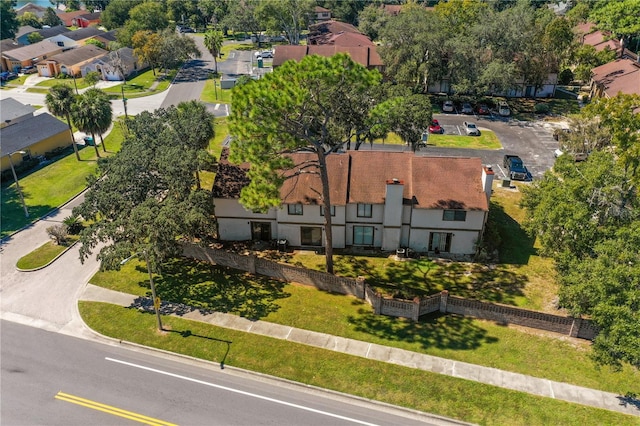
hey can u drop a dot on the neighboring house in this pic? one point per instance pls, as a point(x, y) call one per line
point(71, 62)
point(69, 17)
point(348, 39)
point(322, 32)
point(364, 55)
point(321, 14)
point(619, 76)
point(45, 33)
point(13, 112)
point(108, 65)
point(391, 9)
point(5, 46)
point(39, 11)
point(600, 40)
point(521, 88)
point(429, 204)
point(71, 39)
point(27, 135)
point(106, 37)
point(23, 32)
point(30, 54)
point(88, 19)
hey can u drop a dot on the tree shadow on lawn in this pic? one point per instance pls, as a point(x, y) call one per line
point(516, 246)
point(432, 331)
point(407, 279)
point(190, 285)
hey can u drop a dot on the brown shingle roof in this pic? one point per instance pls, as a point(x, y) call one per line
point(364, 55)
point(431, 182)
point(621, 75)
point(319, 33)
point(350, 39)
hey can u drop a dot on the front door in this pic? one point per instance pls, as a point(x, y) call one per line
point(440, 242)
point(261, 231)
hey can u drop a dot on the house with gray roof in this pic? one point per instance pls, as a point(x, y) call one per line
point(72, 62)
point(30, 54)
point(29, 135)
point(5, 46)
point(112, 66)
point(45, 33)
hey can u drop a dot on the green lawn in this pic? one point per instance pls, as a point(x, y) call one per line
point(420, 390)
point(228, 290)
point(486, 140)
point(51, 186)
point(141, 84)
point(214, 94)
point(44, 254)
point(81, 84)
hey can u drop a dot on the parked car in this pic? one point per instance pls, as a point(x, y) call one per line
point(447, 106)
point(515, 167)
point(503, 109)
point(466, 108)
point(29, 70)
point(435, 127)
point(577, 156)
point(267, 54)
point(185, 30)
point(7, 75)
point(471, 129)
point(483, 109)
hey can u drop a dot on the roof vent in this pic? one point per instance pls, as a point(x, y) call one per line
point(395, 180)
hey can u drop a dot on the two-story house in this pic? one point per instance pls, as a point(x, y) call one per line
point(379, 199)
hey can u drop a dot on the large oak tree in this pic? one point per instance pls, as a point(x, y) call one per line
point(146, 196)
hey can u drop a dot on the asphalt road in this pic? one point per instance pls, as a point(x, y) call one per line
point(52, 379)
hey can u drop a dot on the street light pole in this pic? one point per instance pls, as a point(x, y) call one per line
point(15, 178)
point(156, 300)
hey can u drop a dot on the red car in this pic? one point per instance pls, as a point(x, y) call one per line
point(435, 127)
point(483, 109)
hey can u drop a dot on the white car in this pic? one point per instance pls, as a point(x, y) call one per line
point(267, 54)
point(471, 129)
point(503, 109)
point(447, 106)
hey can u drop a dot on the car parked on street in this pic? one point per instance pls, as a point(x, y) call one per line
point(471, 129)
point(447, 106)
point(435, 127)
point(267, 54)
point(466, 108)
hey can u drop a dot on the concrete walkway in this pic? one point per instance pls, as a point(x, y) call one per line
point(491, 376)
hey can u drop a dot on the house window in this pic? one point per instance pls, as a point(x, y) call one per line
point(332, 208)
point(364, 210)
point(363, 235)
point(261, 231)
point(311, 235)
point(440, 242)
point(295, 209)
point(455, 215)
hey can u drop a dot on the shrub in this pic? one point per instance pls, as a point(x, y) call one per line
point(58, 233)
point(565, 77)
point(541, 108)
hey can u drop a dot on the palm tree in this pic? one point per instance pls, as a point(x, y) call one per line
point(60, 101)
point(103, 110)
point(213, 41)
point(92, 114)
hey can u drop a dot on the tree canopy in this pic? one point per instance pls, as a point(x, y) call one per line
point(286, 16)
point(145, 197)
point(8, 19)
point(586, 216)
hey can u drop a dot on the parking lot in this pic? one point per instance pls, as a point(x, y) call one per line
point(532, 141)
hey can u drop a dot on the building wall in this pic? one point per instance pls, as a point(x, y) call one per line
point(60, 140)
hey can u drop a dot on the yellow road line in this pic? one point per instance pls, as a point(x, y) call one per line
point(111, 410)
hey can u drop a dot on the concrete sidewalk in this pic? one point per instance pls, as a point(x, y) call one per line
point(491, 376)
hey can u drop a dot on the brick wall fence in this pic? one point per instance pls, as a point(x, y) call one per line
point(413, 309)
